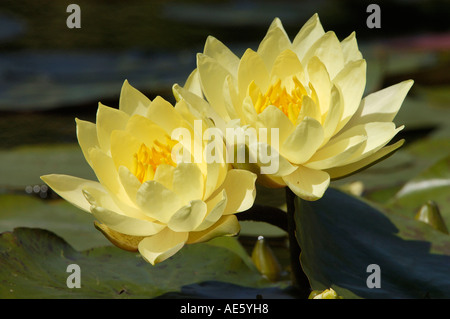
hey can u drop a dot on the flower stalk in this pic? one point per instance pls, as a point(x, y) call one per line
point(299, 279)
point(268, 214)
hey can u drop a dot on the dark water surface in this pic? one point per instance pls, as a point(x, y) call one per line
point(50, 74)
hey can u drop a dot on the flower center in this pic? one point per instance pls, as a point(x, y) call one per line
point(288, 102)
point(147, 160)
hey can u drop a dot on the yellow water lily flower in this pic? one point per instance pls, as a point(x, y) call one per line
point(148, 197)
point(325, 294)
point(310, 90)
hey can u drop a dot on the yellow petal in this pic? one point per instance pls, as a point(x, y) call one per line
point(328, 50)
point(132, 101)
point(161, 246)
point(216, 173)
point(182, 111)
point(130, 182)
point(87, 137)
point(188, 182)
point(252, 69)
point(108, 120)
point(145, 130)
point(125, 242)
point(213, 75)
point(265, 180)
point(70, 188)
point(350, 49)
point(190, 114)
point(111, 202)
point(287, 65)
point(338, 153)
point(126, 224)
point(275, 41)
point(351, 82)
point(307, 183)
point(333, 115)
point(123, 147)
point(309, 109)
point(248, 109)
point(198, 106)
point(106, 173)
point(158, 202)
point(381, 106)
point(303, 142)
point(225, 226)
point(189, 217)
point(378, 135)
point(163, 114)
point(216, 206)
point(273, 118)
point(269, 161)
point(240, 189)
point(164, 175)
point(320, 80)
point(231, 98)
point(346, 170)
point(311, 31)
point(193, 83)
point(218, 51)
point(326, 294)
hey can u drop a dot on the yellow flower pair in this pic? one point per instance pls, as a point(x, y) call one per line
point(310, 90)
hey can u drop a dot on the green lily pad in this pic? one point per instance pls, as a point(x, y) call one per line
point(34, 262)
point(58, 216)
point(439, 95)
point(221, 290)
point(23, 166)
point(382, 181)
point(417, 113)
point(341, 235)
point(432, 184)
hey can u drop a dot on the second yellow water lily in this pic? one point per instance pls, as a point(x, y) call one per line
point(148, 197)
point(310, 90)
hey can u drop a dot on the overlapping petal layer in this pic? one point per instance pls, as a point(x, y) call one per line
point(311, 91)
point(153, 189)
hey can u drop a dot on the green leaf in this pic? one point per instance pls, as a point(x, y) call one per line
point(33, 264)
point(341, 235)
point(431, 184)
point(58, 216)
point(23, 166)
point(417, 113)
point(223, 290)
point(383, 180)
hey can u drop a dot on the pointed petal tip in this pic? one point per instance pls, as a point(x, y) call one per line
point(409, 83)
point(276, 22)
point(45, 177)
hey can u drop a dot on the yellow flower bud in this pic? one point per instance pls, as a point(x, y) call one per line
point(265, 260)
point(429, 213)
point(325, 294)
